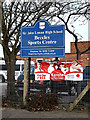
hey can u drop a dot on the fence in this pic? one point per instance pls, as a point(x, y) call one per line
point(46, 95)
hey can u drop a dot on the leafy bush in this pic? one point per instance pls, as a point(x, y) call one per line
point(42, 102)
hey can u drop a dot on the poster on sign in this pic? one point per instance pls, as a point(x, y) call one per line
point(59, 70)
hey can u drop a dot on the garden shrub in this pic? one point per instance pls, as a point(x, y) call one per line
point(42, 102)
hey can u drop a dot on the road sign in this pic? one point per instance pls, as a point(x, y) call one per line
point(43, 40)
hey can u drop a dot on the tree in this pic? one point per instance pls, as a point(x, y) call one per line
point(17, 14)
point(14, 15)
point(68, 13)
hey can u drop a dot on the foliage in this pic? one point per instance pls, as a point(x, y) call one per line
point(42, 102)
point(17, 14)
point(14, 16)
point(16, 102)
point(36, 102)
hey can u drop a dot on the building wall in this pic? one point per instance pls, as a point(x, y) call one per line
point(85, 58)
point(81, 45)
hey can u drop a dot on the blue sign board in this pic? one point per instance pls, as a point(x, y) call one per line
point(43, 40)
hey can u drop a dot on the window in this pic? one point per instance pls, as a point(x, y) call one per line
point(47, 60)
point(53, 59)
point(39, 60)
point(22, 66)
point(17, 67)
point(3, 67)
point(87, 70)
point(32, 69)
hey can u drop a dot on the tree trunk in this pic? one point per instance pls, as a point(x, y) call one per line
point(78, 58)
point(79, 83)
point(78, 55)
point(10, 63)
point(10, 78)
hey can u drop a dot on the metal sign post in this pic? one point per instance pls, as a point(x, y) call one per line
point(42, 40)
point(29, 65)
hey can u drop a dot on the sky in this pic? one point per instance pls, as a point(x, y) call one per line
point(81, 29)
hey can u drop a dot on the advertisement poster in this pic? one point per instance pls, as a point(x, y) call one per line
point(59, 71)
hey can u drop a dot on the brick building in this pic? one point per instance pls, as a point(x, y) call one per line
point(81, 45)
point(85, 58)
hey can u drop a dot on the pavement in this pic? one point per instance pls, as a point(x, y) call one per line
point(59, 114)
point(22, 113)
point(3, 89)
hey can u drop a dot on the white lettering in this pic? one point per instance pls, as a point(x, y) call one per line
point(34, 43)
point(48, 32)
point(39, 32)
point(41, 37)
point(29, 33)
point(49, 42)
point(55, 31)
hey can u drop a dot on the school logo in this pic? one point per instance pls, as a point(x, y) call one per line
point(42, 25)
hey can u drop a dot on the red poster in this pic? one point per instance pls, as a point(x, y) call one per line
point(59, 70)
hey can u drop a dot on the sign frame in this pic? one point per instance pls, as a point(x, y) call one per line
point(43, 40)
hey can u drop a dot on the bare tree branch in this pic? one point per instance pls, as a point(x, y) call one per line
point(85, 51)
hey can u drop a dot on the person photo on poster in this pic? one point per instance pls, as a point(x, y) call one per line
point(50, 68)
point(38, 67)
point(63, 68)
point(76, 67)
